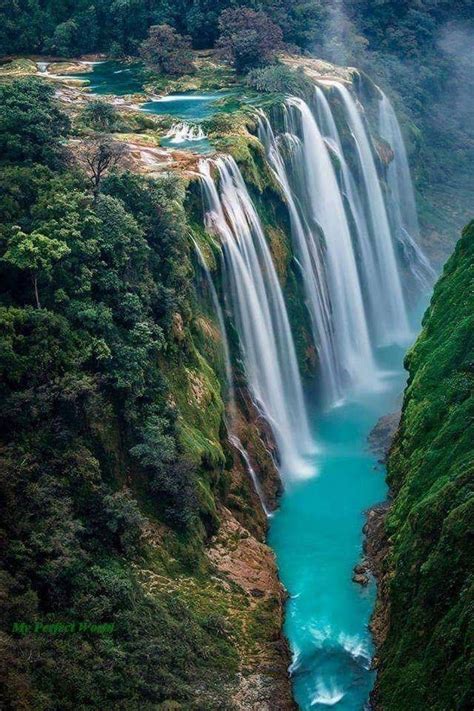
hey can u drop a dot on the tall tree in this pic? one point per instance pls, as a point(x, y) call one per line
point(166, 51)
point(31, 125)
point(247, 38)
point(36, 253)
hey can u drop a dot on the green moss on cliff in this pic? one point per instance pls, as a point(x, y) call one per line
point(425, 658)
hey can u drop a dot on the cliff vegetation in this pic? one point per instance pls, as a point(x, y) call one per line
point(427, 584)
point(123, 505)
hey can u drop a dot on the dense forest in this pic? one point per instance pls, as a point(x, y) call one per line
point(90, 450)
point(114, 457)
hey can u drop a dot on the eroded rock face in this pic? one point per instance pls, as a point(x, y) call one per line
point(376, 546)
point(384, 151)
point(381, 437)
point(240, 559)
point(361, 573)
point(246, 561)
point(319, 68)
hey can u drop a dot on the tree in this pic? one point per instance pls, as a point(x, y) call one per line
point(65, 39)
point(166, 51)
point(100, 156)
point(31, 125)
point(248, 38)
point(101, 115)
point(36, 253)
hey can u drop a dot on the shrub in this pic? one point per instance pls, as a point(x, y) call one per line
point(248, 38)
point(100, 115)
point(278, 78)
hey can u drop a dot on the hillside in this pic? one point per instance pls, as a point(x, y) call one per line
point(425, 602)
point(124, 505)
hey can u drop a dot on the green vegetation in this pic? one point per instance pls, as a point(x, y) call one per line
point(118, 28)
point(247, 38)
point(111, 452)
point(166, 51)
point(426, 658)
point(280, 79)
point(419, 54)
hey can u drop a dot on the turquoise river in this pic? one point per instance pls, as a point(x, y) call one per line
point(317, 537)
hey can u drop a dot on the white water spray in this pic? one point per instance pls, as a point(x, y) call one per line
point(369, 275)
point(233, 438)
point(259, 313)
point(308, 258)
point(395, 324)
point(184, 132)
point(320, 198)
point(402, 198)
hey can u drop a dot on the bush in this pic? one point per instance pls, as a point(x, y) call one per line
point(31, 125)
point(100, 115)
point(279, 79)
point(248, 38)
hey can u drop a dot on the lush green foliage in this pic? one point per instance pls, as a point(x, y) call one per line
point(91, 283)
point(166, 51)
point(426, 657)
point(248, 38)
point(69, 29)
point(31, 126)
point(100, 115)
point(279, 79)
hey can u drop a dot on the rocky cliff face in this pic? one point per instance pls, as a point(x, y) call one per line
point(422, 549)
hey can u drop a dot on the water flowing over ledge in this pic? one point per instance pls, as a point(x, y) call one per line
point(354, 237)
point(259, 312)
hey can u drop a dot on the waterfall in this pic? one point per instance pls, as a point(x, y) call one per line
point(395, 323)
point(259, 313)
point(183, 132)
point(233, 438)
point(235, 441)
point(402, 197)
point(223, 330)
point(343, 337)
point(370, 276)
point(309, 261)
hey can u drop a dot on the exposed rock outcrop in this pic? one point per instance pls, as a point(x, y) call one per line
point(381, 437)
point(243, 561)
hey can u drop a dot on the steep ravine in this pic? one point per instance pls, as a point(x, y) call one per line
point(213, 589)
point(421, 547)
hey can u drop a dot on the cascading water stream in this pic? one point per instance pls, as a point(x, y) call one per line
point(310, 263)
point(395, 324)
point(345, 250)
point(341, 244)
point(259, 313)
point(369, 275)
point(184, 132)
point(402, 197)
point(321, 200)
point(233, 438)
point(223, 330)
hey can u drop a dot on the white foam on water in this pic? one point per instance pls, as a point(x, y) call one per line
point(355, 647)
point(183, 132)
point(327, 694)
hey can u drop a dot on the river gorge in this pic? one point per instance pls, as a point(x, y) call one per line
point(245, 276)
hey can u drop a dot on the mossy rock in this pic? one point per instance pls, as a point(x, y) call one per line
point(69, 67)
point(19, 67)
